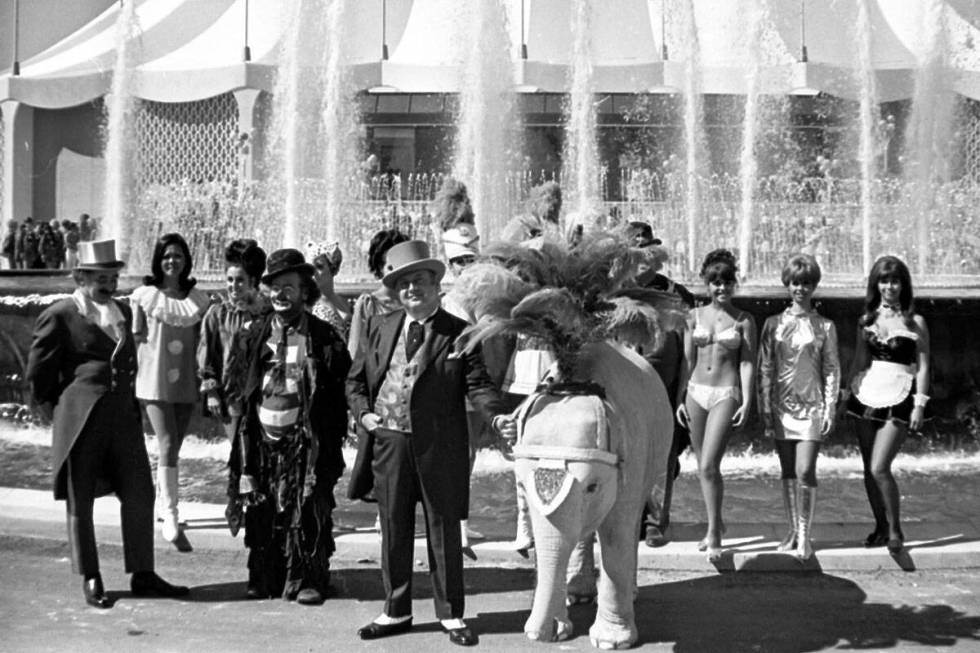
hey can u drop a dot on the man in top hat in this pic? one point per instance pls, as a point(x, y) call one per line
point(407, 388)
point(667, 362)
point(82, 368)
point(288, 370)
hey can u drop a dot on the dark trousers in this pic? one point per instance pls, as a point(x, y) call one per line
point(398, 488)
point(111, 448)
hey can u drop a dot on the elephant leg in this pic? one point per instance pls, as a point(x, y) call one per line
point(582, 572)
point(615, 622)
point(549, 620)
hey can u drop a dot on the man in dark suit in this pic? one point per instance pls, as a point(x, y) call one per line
point(406, 389)
point(81, 369)
point(667, 362)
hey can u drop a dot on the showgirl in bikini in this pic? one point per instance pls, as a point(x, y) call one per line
point(719, 366)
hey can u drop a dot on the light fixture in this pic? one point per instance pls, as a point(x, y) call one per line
point(247, 52)
point(523, 36)
point(803, 54)
point(16, 64)
point(805, 91)
point(384, 30)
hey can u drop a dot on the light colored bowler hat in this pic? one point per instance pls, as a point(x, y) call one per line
point(410, 256)
point(98, 255)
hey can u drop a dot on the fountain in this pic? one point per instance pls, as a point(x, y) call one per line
point(581, 174)
point(121, 108)
point(486, 142)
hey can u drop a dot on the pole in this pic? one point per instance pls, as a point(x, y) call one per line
point(803, 54)
point(247, 53)
point(384, 30)
point(16, 64)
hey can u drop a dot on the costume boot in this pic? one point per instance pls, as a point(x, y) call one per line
point(167, 480)
point(792, 514)
point(807, 501)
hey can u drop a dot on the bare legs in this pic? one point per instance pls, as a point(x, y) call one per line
point(710, 431)
point(879, 445)
point(169, 422)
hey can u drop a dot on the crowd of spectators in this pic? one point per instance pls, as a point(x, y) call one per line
point(45, 245)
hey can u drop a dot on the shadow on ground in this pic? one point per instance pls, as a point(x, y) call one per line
point(770, 612)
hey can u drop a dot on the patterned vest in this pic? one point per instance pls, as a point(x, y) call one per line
point(395, 394)
point(279, 412)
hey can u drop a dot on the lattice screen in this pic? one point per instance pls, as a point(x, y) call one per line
point(972, 141)
point(188, 141)
point(3, 218)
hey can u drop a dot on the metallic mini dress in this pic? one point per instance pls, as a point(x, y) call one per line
point(799, 373)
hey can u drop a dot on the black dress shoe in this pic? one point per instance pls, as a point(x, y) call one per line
point(95, 593)
point(377, 631)
point(461, 636)
point(147, 583)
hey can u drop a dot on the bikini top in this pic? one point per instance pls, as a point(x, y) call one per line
point(898, 347)
point(730, 338)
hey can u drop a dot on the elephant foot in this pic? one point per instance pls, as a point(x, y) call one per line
point(560, 630)
point(610, 637)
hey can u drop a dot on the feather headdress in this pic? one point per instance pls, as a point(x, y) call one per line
point(566, 297)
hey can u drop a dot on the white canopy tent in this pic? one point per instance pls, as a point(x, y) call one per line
point(194, 49)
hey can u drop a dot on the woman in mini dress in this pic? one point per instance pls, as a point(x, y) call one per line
point(167, 313)
point(377, 302)
point(889, 389)
point(799, 378)
point(330, 306)
point(715, 383)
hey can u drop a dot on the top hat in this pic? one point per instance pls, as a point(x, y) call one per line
point(286, 260)
point(461, 240)
point(98, 255)
point(408, 257)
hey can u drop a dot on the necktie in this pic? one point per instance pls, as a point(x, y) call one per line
point(416, 334)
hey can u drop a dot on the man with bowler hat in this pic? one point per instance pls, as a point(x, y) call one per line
point(82, 368)
point(288, 370)
point(406, 389)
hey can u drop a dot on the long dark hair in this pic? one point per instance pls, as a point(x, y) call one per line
point(155, 278)
point(380, 244)
point(885, 267)
point(719, 264)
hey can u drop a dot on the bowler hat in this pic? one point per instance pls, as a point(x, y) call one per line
point(98, 255)
point(286, 260)
point(408, 257)
point(640, 234)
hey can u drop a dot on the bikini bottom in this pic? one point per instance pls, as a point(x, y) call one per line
point(709, 396)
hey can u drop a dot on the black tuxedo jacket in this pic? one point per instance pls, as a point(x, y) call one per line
point(72, 365)
point(437, 406)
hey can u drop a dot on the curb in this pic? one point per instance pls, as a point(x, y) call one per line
point(750, 548)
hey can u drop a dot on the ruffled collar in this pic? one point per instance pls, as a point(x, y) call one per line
point(254, 304)
point(170, 310)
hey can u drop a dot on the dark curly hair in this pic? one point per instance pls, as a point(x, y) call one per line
point(884, 268)
point(380, 244)
point(246, 253)
point(719, 264)
point(155, 278)
point(452, 205)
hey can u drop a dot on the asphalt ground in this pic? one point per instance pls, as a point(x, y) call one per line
point(41, 609)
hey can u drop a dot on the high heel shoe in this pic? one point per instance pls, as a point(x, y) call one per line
point(703, 545)
point(875, 539)
point(895, 545)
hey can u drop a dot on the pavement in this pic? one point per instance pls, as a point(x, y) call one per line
point(749, 547)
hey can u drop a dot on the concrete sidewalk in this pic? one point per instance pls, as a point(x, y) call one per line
point(748, 547)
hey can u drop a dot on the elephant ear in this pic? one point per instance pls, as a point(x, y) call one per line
point(551, 486)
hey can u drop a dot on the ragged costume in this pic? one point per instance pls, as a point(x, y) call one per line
point(289, 379)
